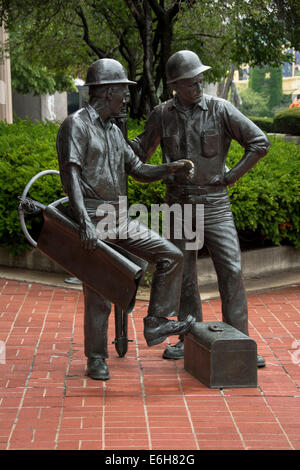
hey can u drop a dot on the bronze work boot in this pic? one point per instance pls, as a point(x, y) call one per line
point(157, 329)
point(97, 368)
point(174, 352)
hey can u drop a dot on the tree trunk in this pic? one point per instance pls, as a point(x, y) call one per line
point(225, 85)
point(143, 18)
point(166, 39)
point(164, 34)
point(235, 98)
point(149, 91)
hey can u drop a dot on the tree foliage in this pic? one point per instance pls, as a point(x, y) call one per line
point(267, 83)
point(254, 103)
point(142, 34)
point(37, 79)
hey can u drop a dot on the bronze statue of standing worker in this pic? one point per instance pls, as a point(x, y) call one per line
point(94, 162)
point(200, 128)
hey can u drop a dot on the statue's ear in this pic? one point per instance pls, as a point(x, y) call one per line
point(109, 93)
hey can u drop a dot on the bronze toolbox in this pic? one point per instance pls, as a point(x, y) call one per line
point(220, 356)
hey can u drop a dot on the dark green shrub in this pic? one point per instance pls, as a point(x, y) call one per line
point(287, 121)
point(267, 82)
point(254, 103)
point(146, 194)
point(264, 123)
point(25, 149)
point(265, 201)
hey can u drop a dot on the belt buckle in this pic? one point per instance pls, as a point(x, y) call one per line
point(193, 192)
point(201, 191)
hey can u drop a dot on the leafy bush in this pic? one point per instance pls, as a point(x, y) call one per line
point(265, 201)
point(254, 103)
point(267, 81)
point(264, 123)
point(284, 104)
point(139, 193)
point(288, 121)
point(25, 149)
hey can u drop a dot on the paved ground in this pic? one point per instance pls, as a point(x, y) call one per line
point(47, 402)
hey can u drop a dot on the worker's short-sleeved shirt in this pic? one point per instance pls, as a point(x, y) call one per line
point(202, 134)
point(99, 150)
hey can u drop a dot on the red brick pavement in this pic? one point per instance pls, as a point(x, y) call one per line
point(47, 402)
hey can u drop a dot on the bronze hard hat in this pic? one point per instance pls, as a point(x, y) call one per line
point(184, 64)
point(106, 72)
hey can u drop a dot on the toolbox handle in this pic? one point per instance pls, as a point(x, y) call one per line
point(216, 328)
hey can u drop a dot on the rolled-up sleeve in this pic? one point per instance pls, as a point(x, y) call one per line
point(71, 142)
point(248, 135)
point(240, 128)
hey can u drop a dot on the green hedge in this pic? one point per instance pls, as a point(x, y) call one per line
point(287, 121)
point(25, 149)
point(264, 123)
point(265, 201)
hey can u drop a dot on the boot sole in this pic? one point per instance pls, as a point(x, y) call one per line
point(155, 341)
point(97, 377)
point(165, 356)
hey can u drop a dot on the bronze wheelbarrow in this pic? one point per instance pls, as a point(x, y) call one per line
point(59, 240)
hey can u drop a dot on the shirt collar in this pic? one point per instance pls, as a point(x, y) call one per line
point(94, 116)
point(202, 103)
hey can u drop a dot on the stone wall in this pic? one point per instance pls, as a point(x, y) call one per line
point(40, 108)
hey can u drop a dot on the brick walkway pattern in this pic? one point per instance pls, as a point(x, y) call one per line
point(47, 401)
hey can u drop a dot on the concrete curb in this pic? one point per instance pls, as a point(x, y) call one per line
point(273, 263)
point(208, 291)
point(32, 259)
point(287, 137)
point(261, 262)
point(257, 262)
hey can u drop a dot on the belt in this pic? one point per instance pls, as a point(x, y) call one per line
point(185, 189)
point(92, 203)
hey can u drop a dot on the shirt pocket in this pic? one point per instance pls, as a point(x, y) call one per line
point(209, 143)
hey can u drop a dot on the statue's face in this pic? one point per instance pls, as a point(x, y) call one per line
point(107, 100)
point(189, 90)
point(117, 98)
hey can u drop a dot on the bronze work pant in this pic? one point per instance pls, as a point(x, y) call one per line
point(221, 240)
point(165, 290)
